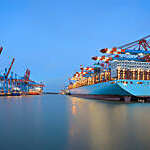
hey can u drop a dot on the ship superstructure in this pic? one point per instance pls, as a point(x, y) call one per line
point(118, 71)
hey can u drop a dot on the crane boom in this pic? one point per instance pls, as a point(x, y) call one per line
point(27, 74)
point(139, 42)
point(1, 49)
point(10, 67)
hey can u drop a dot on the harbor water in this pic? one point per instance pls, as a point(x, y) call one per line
point(59, 122)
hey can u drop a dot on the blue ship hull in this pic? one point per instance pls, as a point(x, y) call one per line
point(138, 88)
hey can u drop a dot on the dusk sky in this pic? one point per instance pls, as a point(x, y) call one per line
point(54, 37)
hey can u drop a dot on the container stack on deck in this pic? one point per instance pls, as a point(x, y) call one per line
point(130, 61)
point(13, 85)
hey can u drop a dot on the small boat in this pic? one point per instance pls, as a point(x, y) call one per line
point(35, 91)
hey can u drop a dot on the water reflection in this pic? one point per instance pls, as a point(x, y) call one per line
point(96, 125)
point(61, 122)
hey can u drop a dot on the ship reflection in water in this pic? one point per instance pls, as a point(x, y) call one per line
point(59, 122)
point(96, 125)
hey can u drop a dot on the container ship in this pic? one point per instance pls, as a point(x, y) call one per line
point(119, 73)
